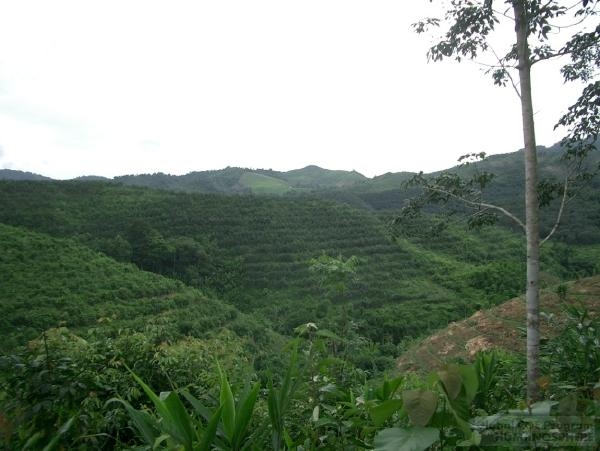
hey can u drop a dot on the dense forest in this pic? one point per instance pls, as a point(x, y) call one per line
point(274, 318)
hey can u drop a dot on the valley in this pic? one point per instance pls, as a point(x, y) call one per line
point(168, 275)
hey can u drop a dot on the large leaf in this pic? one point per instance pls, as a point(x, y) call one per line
point(176, 420)
point(179, 423)
point(470, 381)
point(420, 405)
point(385, 410)
point(53, 444)
point(211, 431)
point(145, 424)
point(451, 381)
point(410, 439)
point(228, 404)
point(198, 406)
point(244, 415)
point(389, 387)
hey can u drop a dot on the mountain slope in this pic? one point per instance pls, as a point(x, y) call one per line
point(49, 282)
point(255, 252)
point(10, 174)
point(240, 180)
point(500, 327)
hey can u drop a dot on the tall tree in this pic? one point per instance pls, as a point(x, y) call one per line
point(470, 24)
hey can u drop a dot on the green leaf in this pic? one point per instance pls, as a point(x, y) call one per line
point(470, 381)
point(211, 431)
point(389, 387)
point(200, 408)
point(411, 439)
point(567, 405)
point(226, 399)
point(145, 424)
point(451, 381)
point(420, 405)
point(273, 405)
point(179, 423)
point(329, 334)
point(62, 431)
point(176, 420)
point(385, 410)
point(244, 415)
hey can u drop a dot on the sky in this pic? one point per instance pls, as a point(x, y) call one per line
point(140, 86)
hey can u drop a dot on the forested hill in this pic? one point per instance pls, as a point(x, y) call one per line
point(56, 282)
point(255, 252)
point(10, 174)
point(240, 180)
point(382, 192)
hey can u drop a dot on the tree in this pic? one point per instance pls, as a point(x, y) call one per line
point(471, 23)
point(335, 275)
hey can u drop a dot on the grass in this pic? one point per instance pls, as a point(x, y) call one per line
point(263, 184)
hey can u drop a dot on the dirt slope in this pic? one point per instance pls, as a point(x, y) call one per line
point(501, 327)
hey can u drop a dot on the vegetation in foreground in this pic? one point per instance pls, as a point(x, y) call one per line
point(124, 391)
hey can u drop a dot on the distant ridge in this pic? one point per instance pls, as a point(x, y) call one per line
point(243, 180)
point(383, 192)
point(10, 174)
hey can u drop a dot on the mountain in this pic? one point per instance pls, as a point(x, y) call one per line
point(10, 174)
point(92, 178)
point(255, 252)
point(314, 177)
point(240, 180)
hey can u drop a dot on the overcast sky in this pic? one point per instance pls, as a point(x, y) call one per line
point(126, 87)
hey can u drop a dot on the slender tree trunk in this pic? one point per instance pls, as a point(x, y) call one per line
point(531, 203)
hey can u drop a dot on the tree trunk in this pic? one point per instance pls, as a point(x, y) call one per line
point(531, 203)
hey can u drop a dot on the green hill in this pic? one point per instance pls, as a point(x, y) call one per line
point(255, 252)
point(314, 177)
point(240, 180)
point(50, 282)
point(10, 174)
point(263, 184)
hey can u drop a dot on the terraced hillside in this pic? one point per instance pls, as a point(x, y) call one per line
point(50, 282)
point(582, 215)
point(255, 252)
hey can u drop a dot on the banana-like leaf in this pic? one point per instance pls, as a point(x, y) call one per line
point(243, 416)
point(211, 431)
point(176, 420)
point(145, 423)
point(228, 404)
point(63, 429)
point(381, 413)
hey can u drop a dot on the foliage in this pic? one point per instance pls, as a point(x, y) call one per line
point(575, 358)
point(249, 251)
point(62, 376)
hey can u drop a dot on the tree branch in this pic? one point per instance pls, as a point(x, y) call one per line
point(560, 212)
point(480, 204)
point(507, 72)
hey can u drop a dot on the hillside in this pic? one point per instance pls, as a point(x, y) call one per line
point(10, 174)
point(50, 282)
point(254, 252)
point(241, 180)
point(501, 327)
